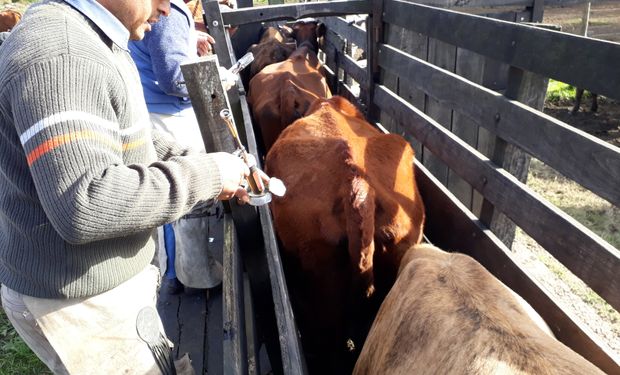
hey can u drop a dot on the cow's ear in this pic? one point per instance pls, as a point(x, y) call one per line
point(320, 29)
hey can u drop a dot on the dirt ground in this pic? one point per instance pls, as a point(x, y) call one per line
point(604, 24)
point(604, 123)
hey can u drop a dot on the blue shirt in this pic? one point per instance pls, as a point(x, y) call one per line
point(106, 21)
point(159, 56)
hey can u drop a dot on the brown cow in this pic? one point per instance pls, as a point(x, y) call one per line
point(446, 314)
point(281, 93)
point(350, 212)
point(274, 46)
point(8, 19)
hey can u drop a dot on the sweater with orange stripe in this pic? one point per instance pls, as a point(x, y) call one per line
point(83, 181)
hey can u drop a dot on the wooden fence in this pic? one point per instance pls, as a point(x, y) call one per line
point(466, 90)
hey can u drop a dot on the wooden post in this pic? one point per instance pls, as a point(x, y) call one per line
point(585, 19)
point(225, 54)
point(529, 89)
point(374, 29)
point(279, 334)
point(208, 99)
point(235, 352)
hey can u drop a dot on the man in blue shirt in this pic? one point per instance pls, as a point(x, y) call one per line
point(183, 246)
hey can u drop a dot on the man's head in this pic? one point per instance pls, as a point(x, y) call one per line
point(137, 15)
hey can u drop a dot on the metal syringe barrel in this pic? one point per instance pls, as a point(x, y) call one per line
point(254, 179)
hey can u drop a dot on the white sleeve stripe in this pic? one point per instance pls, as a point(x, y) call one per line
point(60, 117)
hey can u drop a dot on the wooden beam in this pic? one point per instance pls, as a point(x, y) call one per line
point(468, 235)
point(351, 32)
point(568, 58)
point(588, 256)
point(294, 11)
point(208, 99)
point(235, 352)
point(581, 157)
point(292, 353)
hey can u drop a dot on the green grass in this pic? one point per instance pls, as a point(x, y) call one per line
point(560, 93)
point(15, 356)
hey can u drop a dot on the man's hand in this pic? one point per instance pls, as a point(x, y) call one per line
point(233, 172)
point(204, 43)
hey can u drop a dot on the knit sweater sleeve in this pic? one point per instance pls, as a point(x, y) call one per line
point(168, 46)
point(93, 176)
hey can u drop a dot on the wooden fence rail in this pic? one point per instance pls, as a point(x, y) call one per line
point(564, 57)
point(572, 152)
point(584, 253)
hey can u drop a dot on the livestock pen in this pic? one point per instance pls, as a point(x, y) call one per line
point(465, 86)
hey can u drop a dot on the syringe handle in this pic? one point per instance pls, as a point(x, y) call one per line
point(256, 184)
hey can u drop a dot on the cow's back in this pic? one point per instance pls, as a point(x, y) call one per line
point(281, 93)
point(350, 211)
point(447, 314)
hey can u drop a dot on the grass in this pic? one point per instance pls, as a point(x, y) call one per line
point(595, 213)
point(15, 356)
point(559, 92)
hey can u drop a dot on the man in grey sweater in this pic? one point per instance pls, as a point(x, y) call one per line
point(84, 181)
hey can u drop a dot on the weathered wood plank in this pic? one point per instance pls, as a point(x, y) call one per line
point(467, 235)
point(217, 30)
point(351, 32)
point(495, 77)
point(292, 353)
point(233, 319)
point(529, 89)
point(442, 55)
point(343, 90)
point(476, 3)
point(333, 46)
point(415, 44)
point(201, 84)
point(568, 58)
point(214, 350)
point(579, 156)
point(357, 72)
point(208, 99)
point(192, 318)
point(469, 65)
point(294, 11)
point(374, 36)
point(588, 256)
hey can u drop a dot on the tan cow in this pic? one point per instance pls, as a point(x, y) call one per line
point(446, 314)
point(8, 19)
point(350, 212)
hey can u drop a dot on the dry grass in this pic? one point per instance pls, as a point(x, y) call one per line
point(575, 296)
point(597, 214)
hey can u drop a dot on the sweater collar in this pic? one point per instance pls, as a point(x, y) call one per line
point(106, 21)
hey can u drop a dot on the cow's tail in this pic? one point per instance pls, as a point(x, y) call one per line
point(360, 217)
